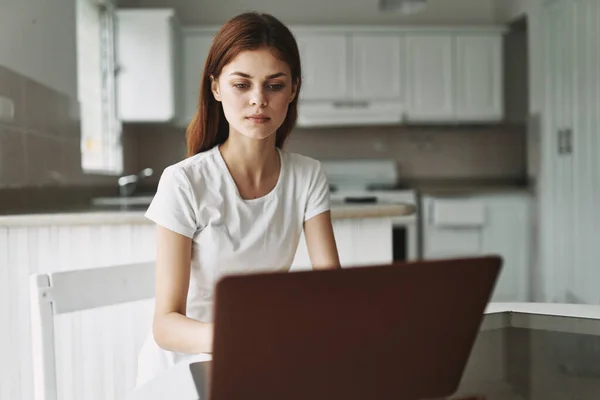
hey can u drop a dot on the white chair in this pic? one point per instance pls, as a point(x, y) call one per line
point(75, 290)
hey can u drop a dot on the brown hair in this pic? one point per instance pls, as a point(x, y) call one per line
point(248, 31)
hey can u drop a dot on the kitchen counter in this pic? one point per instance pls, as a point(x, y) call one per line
point(461, 187)
point(87, 215)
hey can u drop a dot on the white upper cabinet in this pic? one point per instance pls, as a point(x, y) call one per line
point(147, 52)
point(324, 59)
point(196, 45)
point(374, 75)
point(455, 77)
point(478, 77)
point(430, 77)
point(377, 67)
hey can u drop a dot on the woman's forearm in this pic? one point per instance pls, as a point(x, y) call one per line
point(176, 332)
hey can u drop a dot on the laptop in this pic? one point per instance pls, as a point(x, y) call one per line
point(402, 331)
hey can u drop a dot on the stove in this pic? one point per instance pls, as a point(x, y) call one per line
point(366, 182)
point(371, 182)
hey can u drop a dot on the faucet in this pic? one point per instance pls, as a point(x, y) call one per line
point(128, 183)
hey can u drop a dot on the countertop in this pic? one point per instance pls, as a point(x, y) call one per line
point(461, 187)
point(557, 317)
point(87, 215)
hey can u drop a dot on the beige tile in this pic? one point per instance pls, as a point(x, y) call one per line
point(72, 130)
point(44, 161)
point(71, 161)
point(130, 152)
point(13, 168)
point(158, 148)
point(58, 116)
point(40, 104)
point(12, 85)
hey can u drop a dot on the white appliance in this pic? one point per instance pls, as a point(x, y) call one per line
point(372, 182)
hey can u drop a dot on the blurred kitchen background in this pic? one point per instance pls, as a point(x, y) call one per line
point(482, 113)
point(443, 100)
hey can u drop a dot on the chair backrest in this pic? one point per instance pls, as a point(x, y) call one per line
point(75, 290)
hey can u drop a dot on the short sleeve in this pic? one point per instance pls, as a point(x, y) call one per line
point(318, 200)
point(173, 206)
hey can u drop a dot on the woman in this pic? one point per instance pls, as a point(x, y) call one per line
point(238, 203)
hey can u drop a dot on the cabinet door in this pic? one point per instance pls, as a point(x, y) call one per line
point(324, 66)
point(377, 72)
point(453, 227)
point(359, 242)
point(430, 77)
point(557, 202)
point(478, 91)
point(586, 148)
point(195, 50)
point(507, 234)
point(145, 85)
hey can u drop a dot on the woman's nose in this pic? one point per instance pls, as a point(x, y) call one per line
point(258, 97)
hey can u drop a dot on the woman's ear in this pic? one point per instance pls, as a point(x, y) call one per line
point(294, 91)
point(214, 87)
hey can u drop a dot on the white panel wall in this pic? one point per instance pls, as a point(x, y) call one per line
point(97, 349)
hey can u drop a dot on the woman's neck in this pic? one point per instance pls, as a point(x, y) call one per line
point(253, 161)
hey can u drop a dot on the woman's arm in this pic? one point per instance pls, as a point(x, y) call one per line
point(171, 328)
point(320, 242)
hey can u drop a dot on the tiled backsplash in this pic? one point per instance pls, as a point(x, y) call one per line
point(41, 145)
point(421, 152)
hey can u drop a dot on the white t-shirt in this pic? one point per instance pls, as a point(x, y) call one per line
point(198, 198)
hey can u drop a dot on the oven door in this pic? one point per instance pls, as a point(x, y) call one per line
point(404, 241)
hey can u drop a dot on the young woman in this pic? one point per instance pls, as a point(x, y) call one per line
point(238, 203)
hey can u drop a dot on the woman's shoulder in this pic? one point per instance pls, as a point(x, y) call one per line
point(194, 167)
point(302, 163)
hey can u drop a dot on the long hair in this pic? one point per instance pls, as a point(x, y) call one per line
point(248, 31)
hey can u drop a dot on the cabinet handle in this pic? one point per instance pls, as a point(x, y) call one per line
point(342, 104)
point(568, 141)
point(561, 140)
point(351, 104)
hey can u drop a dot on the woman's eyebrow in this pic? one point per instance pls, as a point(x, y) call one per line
point(244, 75)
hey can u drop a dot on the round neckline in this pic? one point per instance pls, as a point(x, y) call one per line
point(235, 187)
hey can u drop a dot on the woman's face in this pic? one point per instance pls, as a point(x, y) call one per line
point(255, 89)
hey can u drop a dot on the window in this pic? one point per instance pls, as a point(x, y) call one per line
point(101, 145)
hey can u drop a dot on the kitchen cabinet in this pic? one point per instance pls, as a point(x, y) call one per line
point(350, 78)
point(475, 225)
point(569, 189)
point(377, 67)
point(430, 77)
point(346, 67)
point(149, 59)
point(454, 77)
point(479, 80)
point(196, 45)
point(412, 75)
point(325, 71)
point(365, 241)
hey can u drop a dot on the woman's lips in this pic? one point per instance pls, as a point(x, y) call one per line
point(258, 119)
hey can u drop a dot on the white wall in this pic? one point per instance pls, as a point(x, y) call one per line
point(327, 12)
point(37, 40)
point(536, 72)
point(512, 9)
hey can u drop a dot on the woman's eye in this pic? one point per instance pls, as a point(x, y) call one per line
point(240, 85)
point(275, 86)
